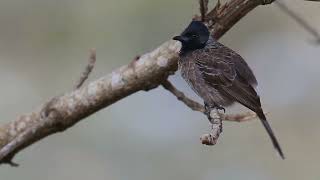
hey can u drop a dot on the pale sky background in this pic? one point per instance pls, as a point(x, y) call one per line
point(150, 135)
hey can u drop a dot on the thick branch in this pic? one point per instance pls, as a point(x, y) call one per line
point(145, 73)
point(230, 13)
point(64, 111)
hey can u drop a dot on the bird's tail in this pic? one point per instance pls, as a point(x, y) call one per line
point(267, 126)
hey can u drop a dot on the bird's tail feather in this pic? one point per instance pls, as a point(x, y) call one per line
point(267, 126)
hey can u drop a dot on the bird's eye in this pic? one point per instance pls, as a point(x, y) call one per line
point(194, 36)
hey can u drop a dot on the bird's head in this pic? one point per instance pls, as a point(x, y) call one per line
point(195, 36)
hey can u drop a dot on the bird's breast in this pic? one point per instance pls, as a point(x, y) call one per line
point(193, 76)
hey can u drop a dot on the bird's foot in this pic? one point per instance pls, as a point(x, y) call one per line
point(219, 107)
point(208, 108)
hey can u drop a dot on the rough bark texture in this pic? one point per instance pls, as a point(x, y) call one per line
point(144, 73)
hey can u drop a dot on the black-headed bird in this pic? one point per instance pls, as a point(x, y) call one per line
point(218, 75)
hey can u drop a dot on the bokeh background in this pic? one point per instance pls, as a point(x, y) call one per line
point(150, 135)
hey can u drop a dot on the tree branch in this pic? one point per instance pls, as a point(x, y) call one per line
point(144, 73)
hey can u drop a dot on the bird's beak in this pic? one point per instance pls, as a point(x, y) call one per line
point(182, 39)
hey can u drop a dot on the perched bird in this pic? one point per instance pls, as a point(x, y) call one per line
point(219, 75)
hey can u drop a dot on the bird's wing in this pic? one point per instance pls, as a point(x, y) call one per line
point(227, 72)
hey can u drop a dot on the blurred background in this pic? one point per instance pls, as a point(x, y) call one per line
point(150, 135)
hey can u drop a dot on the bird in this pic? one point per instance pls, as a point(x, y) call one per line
point(219, 75)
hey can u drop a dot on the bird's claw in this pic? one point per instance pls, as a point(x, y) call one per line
point(219, 107)
point(208, 108)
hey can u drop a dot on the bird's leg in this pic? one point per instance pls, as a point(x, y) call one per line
point(208, 108)
point(207, 112)
point(219, 107)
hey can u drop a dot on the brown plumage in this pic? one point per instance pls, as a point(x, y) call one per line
point(218, 74)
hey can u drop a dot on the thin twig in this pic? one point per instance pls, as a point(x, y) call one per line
point(85, 74)
point(240, 117)
point(302, 22)
point(203, 9)
point(215, 117)
point(181, 97)
point(213, 14)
